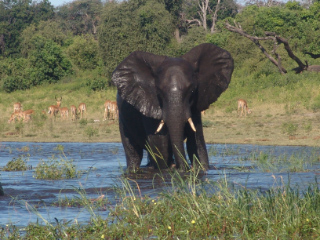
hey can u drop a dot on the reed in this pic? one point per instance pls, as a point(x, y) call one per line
point(192, 207)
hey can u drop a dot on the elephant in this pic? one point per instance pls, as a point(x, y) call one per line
point(160, 100)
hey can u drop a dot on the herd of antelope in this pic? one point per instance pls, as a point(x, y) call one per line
point(110, 111)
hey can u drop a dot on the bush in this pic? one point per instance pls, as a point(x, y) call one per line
point(84, 52)
point(289, 128)
point(56, 169)
point(96, 84)
point(207, 123)
point(91, 131)
point(16, 164)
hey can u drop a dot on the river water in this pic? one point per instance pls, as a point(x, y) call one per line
point(28, 199)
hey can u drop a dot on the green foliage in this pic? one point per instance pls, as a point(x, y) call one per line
point(16, 164)
point(292, 21)
point(97, 83)
point(83, 122)
point(80, 16)
point(129, 26)
point(91, 131)
point(289, 128)
point(15, 16)
point(54, 169)
point(188, 211)
point(14, 75)
point(49, 30)
point(221, 39)
point(315, 106)
point(47, 62)
point(207, 123)
point(84, 52)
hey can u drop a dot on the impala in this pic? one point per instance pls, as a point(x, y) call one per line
point(14, 116)
point(243, 107)
point(110, 110)
point(54, 109)
point(106, 106)
point(73, 110)
point(82, 109)
point(17, 107)
point(64, 112)
point(26, 115)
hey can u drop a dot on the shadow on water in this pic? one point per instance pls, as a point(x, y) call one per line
point(28, 199)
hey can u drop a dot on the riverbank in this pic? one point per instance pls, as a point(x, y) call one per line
point(266, 125)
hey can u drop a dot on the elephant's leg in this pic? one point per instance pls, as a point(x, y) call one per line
point(196, 146)
point(133, 151)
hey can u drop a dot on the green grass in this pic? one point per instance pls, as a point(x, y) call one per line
point(190, 209)
point(54, 168)
point(283, 108)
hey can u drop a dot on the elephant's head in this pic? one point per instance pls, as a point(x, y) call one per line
point(174, 90)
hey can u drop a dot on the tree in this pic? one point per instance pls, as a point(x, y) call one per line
point(130, 26)
point(206, 13)
point(15, 16)
point(277, 40)
point(80, 16)
point(84, 52)
point(47, 62)
point(49, 30)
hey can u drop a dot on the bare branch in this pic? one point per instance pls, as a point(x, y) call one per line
point(203, 5)
point(314, 56)
point(255, 40)
point(215, 17)
point(288, 49)
point(192, 21)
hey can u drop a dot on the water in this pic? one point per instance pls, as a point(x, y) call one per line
point(30, 200)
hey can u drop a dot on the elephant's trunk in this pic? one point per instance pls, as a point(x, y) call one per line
point(175, 122)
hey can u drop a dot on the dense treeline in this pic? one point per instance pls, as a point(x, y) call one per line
point(40, 44)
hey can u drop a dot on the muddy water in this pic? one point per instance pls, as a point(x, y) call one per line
point(28, 199)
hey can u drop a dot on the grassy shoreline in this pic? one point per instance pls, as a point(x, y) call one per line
point(285, 111)
point(301, 128)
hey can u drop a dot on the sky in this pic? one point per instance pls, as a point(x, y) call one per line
point(57, 3)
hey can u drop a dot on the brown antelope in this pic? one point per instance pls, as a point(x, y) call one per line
point(73, 110)
point(14, 116)
point(110, 110)
point(26, 115)
point(17, 107)
point(64, 112)
point(243, 107)
point(82, 109)
point(106, 105)
point(54, 109)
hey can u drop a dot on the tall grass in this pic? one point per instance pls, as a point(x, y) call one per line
point(192, 207)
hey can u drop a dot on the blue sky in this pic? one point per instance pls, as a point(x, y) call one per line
point(57, 3)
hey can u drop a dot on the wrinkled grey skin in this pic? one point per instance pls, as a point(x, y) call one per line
point(152, 88)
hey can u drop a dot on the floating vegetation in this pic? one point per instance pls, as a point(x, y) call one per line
point(17, 164)
point(54, 169)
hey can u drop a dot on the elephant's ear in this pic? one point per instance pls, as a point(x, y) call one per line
point(135, 80)
point(213, 67)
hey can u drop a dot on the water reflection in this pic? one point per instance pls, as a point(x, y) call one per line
point(256, 167)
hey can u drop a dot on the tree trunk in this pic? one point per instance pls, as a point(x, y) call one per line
point(215, 17)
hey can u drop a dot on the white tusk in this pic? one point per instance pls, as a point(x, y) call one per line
point(191, 124)
point(160, 126)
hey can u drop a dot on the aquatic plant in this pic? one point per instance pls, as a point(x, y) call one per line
point(194, 209)
point(17, 164)
point(54, 168)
